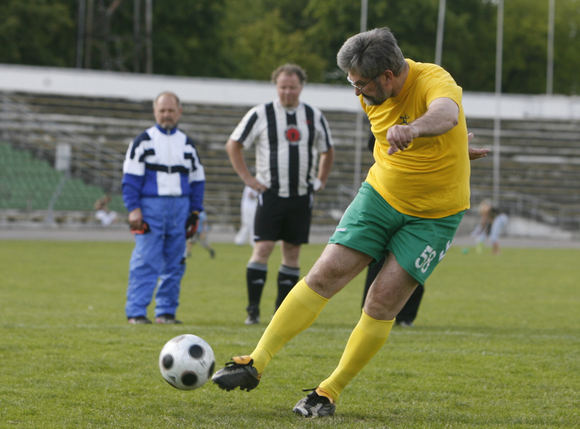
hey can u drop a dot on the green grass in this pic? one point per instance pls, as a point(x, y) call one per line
point(496, 345)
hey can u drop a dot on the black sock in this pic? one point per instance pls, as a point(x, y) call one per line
point(255, 280)
point(287, 278)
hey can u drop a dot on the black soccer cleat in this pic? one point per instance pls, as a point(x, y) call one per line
point(315, 405)
point(253, 315)
point(240, 372)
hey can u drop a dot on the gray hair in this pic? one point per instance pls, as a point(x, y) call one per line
point(290, 69)
point(169, 93)
point(370, 53)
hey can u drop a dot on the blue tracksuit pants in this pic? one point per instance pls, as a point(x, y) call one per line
point(158, 257)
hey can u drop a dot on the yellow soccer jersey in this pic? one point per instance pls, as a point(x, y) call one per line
point(429, 179)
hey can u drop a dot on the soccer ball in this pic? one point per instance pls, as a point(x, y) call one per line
point(186, 362)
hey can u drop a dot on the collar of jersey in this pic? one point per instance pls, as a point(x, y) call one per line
point(290, 110)
point(164, 131)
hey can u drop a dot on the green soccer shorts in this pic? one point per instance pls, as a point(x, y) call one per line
point(371, 226)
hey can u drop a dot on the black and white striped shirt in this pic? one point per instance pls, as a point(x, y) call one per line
point(287, 145)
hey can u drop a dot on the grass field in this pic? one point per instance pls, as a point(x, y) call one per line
point(496, 345)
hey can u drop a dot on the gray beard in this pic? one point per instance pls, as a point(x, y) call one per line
point(372, 101)
point(375, 101)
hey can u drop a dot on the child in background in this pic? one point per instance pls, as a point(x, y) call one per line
point(492, 224)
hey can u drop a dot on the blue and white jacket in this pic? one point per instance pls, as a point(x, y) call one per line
point(163, 163)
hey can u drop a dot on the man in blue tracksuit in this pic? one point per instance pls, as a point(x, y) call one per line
point(163, 188)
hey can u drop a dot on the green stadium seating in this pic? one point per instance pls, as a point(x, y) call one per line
point(30, 184)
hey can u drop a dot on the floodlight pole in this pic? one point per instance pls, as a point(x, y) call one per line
point(440, 32)
point(359, 116)
point(149, 36)
point(136, 36)
point(550, 66)
point(90, 8)
point(81, 33)
point(496, 120)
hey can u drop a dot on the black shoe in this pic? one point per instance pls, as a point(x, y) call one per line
point(167, 319)
point(315, 405)
point(253, 315)
point(138, 320)
point(238, 373)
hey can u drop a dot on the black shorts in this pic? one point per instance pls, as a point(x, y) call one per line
point(285, 219)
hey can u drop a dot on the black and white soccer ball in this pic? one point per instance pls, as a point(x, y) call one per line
point(186, 362)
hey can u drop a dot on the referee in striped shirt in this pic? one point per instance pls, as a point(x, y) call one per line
point(294, 155)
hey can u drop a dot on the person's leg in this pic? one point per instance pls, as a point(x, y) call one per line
point(373, 270)
point(334, 269)
point(247, 215)
point(497, 228)
point(251, 222)
point(408, 313)
point(389, 292)
point(268, 223)
point(414, 251)
point(243, 234)
point(144, 271)
point(256, 273)
point(146, 262)
point(167, 296)
point(204, 241)
point(289, 271)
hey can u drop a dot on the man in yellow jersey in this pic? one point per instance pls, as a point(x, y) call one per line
point(409, 208)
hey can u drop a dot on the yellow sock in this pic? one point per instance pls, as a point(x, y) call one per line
point(298, 310)
point(365, 341)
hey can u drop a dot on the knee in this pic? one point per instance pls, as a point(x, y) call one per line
point(379, 308)
point(262, 251)
point(325, 282)
point(315, 280)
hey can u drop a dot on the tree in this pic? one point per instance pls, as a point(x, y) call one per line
point(469, 44)
point(567, 47)
point(188, 38)
point(247, 39)
point(261, 35)
point(37, 32)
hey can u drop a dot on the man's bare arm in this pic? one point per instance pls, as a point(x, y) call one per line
point(442, 115)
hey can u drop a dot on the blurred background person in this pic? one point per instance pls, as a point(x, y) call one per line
point(102, 212)
point(201, 236)
point(248, 205)
point(492, 223)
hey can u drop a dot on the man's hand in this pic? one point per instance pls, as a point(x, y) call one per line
point(191, 224)
point(135, 220)
point(256, 185)
point(475, 153)
point(400, 137)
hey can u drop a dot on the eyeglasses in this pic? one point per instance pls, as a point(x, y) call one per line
point(360, 87)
